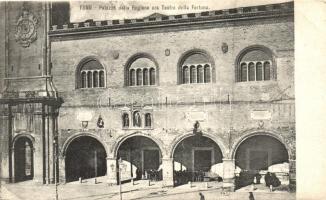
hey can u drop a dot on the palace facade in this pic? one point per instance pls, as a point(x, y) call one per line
point(192, 97)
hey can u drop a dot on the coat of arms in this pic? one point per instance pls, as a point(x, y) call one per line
point(26, 29)
point(225, 47)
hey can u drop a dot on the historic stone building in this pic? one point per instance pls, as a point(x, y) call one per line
point(178, 98)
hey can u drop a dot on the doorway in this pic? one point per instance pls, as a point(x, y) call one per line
point(202, 160)
point(85, 158)
point(23, 159)
point(151, 159)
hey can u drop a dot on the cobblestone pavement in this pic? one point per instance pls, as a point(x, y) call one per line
point(141, 190)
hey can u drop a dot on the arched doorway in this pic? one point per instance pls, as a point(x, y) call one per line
point(85, 158)
point(258, 155)
point(23, 158)
point(197, 158)
point(141, 158)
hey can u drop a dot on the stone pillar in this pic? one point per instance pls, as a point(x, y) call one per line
point(111, 166)
point(167, 167)
point(292, 174)
point(62, 169)
point(38, 160)
point(229, 174)
point(4, 149)
point(4, 173)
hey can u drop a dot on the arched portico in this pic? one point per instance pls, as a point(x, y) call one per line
point(252, 133)
point(177, 141)
point(197, 157)
point(73, 137)
point(258, 152)
point(115, 147)
point(84, 156)
point(139, 154)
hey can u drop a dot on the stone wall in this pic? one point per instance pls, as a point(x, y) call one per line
point(228, 111)
point(222, 105)
point(25, 61)
point(2, 46)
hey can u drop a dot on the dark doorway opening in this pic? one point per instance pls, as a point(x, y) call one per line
point(202, 160)
point(257, 157)
point(85, 158)
point(23, 154)
point(151, 160)
point(197, 159)
point(141, 158)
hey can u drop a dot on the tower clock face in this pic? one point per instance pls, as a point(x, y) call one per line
point(26, 31)
point(26, 28)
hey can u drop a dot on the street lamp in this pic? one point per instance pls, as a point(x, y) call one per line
point(121, 166)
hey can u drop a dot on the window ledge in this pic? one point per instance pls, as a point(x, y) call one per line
point(256, 82)
point(95, 88)
point(142, 86)
point(135, 128)
point(195, 83)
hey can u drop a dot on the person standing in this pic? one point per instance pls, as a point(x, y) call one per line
point(202, 197)
point(251, 196)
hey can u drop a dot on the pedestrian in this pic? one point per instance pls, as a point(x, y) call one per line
point(202, 197)
point(251, 196)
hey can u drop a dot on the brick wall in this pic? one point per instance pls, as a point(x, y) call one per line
point(172, 120)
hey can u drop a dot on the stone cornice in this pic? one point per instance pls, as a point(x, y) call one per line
point(161, 22)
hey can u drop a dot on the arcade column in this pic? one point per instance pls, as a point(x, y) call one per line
point(292, 174)
point(167, 167)
point(111, 165)
point(229, 174)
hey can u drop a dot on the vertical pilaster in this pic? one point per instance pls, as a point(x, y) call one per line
point(167, 165)
point(50, 145)
point(4, 150)
point(229, 174)
point(62, 169)
point(9, 133)
point(46, 144)
point(38, 150)
point(292, 174)
point(111, 165)
point(43, 144)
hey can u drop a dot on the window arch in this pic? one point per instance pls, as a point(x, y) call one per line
point(141, 70)
point(148, 120)
point(152, 76)
point(132, 77)
point(200, 75)
point(139, 77)
point(255, 64)
point(136, 119)
point(125, 120)
point(196, 66)
point(145, 77)
point(90, 74)
point(185, 74)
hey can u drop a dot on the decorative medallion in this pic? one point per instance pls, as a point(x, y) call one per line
point(26, 29)
point(167, 52)
point(100, 122)
point(84, 124)
point(115, 55)
point(225, 47)
point(260, 124)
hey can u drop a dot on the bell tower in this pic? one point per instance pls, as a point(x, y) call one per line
point(28, 99)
